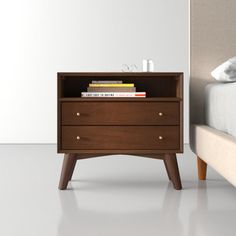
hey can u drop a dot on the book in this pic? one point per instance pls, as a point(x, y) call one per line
point(111, 85)
point(111, 89)
point(113, 94)
point(107, 82)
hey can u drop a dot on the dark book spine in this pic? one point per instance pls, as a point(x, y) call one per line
point(107, 82)
point(111, 89)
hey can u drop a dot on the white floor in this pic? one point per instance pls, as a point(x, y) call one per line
point(109, 196)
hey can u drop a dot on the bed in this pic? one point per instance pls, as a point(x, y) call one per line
point(220, 107)
point(212, 105)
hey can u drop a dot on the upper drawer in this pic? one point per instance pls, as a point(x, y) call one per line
point(120, 113)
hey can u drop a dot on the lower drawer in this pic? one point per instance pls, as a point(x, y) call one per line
point(120, 137)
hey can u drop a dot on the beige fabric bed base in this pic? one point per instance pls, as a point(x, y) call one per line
point(216, 148)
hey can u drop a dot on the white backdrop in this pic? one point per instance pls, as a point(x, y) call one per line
point(41, 37)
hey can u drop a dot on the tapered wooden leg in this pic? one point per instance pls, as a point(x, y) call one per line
point(67, 170)
point(72, 169)
point(202, 169)
point(173, 170)
point(167, 171)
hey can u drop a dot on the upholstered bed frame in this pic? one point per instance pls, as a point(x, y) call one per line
point(213, 41)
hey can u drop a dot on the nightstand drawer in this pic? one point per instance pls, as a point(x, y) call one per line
point(120, 137)
point(120, 113)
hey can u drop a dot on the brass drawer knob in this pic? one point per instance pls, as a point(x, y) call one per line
point(160, 137)
point(78, 114)
point(78, 137)
point(160, 114)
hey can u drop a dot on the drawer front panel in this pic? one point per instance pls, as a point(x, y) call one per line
point(120, 137)
point(120, 113)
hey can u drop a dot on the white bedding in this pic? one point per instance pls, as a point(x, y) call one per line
point(220, 107)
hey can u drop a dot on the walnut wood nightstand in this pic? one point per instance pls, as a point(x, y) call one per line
point(148, 127)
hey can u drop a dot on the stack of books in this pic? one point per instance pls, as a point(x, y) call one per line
point(111, 89)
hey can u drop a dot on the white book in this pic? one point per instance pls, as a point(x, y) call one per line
point(113, 94)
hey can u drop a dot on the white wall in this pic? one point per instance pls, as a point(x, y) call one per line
point(41, 37)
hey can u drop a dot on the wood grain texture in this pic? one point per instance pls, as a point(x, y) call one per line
point(67, 170)
point(167, 170)
point(120, 113)
point(93, 127)
point(72, 168)
point(173, 170)
point(160, 87)
point(117, 99)
point(155, 84)
point(118, 151)
point(120, 137)
point(152, 156)
point(202, 169)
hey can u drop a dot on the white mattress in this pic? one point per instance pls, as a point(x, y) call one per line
point(220, 107)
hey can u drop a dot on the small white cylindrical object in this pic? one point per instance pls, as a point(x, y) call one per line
point(148, 65)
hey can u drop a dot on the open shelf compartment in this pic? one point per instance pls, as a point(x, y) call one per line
point(157, 86)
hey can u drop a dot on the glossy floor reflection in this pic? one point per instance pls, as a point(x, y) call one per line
point(128, 219)
point(116, 195)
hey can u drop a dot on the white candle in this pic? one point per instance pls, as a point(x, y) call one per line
point(148, 65)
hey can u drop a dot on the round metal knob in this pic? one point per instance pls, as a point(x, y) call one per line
point(160, 114)
point(78, 137)
point(160, 137)
point(78, 114)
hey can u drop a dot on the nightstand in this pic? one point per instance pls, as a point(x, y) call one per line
point(148, 127)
